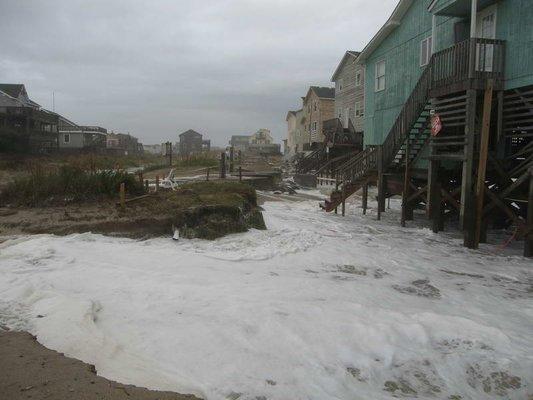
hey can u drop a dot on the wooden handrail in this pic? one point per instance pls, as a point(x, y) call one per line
point(472, 59)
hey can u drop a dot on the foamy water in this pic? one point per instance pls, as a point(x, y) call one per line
point(316, 307)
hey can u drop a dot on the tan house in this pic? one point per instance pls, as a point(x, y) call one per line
point(349, 79)
point(318, 106)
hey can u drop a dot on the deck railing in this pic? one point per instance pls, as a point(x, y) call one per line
point(469, 60)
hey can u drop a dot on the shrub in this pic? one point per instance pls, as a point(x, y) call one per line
point(198, 160)
point(67, 184)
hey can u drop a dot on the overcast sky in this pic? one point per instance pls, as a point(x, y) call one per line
point(156, 68)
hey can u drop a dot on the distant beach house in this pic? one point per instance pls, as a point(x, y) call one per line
point(192, 142)
point(318, 107)
point(349, 79)
point(24, 125)
point(73, 137)
point(123, 144)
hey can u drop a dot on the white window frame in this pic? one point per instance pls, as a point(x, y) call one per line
point(340, 85)
point(66, 138)
point(378, 88)
point(358, 78)
point(425, 54)
point(359, 109)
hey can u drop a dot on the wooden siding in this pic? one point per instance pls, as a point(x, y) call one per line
point(401, 52)
point(514, 19)
point(350, 94)
point(325, 109)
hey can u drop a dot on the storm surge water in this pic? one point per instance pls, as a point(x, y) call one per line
point(316, 307)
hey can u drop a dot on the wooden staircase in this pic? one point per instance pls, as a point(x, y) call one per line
point(310, 162)
point(410, 125)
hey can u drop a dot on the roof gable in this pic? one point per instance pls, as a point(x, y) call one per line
point(349, 55)
point(13, 89)
point(321, 92)
point(190, 132)
point(392, 23)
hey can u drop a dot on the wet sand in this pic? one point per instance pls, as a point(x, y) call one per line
point(31, 371)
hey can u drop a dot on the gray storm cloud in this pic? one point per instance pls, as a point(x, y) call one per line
point(156, 68)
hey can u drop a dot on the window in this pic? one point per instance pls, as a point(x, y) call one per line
point(359, 109)
point(315, 105)
point(426, 47)
point(380, 76)
point(66, 138)
point(358, 78)
point(340, 85)
point(314, 126)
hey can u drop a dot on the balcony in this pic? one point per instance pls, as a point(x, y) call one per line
point(467, 65)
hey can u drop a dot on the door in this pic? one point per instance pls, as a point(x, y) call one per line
point(486, 29)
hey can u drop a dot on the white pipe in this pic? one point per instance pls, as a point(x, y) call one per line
point(473, 19)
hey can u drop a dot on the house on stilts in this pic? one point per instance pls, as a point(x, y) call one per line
point(448, 121)
point(334, 120)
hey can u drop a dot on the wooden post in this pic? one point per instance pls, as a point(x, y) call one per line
point(336, 189)
point(207, 174)
point(467, 197)
point(240, 157)
point(231, 159)
point(146, 186)
point(406, 180)
point(240, 173)
point(365, 197)
point(436, 213)
point(482, 167)
point(157, 183)
point(434, 195)
point(168, 147)
point(122, 196)
point(500, 151)
point(223, 165)
point(343, 207)
point(528, 239)
point(381, 182)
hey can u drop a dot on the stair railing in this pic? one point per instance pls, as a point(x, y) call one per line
point(472, 59)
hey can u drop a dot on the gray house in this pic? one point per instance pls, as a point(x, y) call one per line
point(73, 137)
point(192, 142)
point(349, 80)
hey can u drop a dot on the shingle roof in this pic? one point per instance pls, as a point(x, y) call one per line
point(12, 89)
point(324, 92)
point(190, 132)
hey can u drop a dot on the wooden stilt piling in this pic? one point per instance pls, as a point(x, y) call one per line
point(223, 165)
point(467, 220)
point(122, 196)
point(528, 239)
point(365, 197)
point(381, 183)
point(482, 166)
